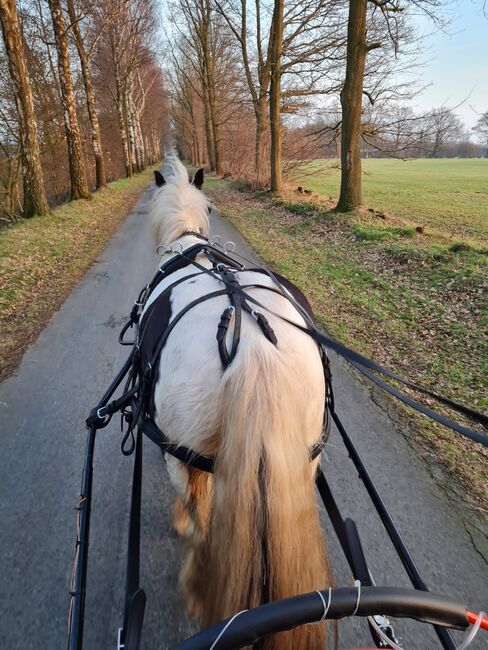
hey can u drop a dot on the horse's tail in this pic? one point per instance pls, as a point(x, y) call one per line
point(265, 540)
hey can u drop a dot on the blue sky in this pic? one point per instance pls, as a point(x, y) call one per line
point(457, 63)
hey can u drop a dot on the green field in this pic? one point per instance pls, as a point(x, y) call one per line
point(449, 196)
point(413, 301)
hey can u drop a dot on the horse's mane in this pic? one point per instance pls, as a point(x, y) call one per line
point(178, 206)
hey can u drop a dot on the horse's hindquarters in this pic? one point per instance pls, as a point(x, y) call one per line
point(257, 536)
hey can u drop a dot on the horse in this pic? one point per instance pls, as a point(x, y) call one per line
point(252, 527)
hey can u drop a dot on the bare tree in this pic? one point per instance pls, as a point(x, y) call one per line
point(129, 37)
point(79, 183)
point(35, 201)
point(360, 43)
point(84, 55)
point(276, 48)
point(351, 101)
point(204, 58)
point(481, 127)
point(203, 36)
point(443, 127)
point(256, 64)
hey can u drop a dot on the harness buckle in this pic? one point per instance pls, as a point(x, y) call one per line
point(104, 417)
point(386, 627)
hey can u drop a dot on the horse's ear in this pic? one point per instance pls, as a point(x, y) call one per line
point(198, 180)
point(159, 178)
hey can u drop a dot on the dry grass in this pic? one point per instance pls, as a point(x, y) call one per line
point(43, 257)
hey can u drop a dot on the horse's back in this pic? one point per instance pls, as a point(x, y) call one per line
point(189, 393)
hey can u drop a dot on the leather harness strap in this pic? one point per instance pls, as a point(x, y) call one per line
point(149, 347)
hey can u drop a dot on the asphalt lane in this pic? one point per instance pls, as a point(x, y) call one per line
point(43, 407)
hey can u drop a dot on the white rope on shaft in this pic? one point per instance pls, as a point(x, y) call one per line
point(472, 632)
point(326, 606)
point(357, 584)
point(214, 644)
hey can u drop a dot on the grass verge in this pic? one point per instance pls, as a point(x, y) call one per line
point(43, 257)
point(410, 301)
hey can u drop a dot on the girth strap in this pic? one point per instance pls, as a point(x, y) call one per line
point(207, 463)
point(185, 455)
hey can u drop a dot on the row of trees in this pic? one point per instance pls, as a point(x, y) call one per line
point(401, 132)
point(82, 99)
point(255, 87)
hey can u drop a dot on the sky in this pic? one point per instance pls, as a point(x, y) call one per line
point(457, 63)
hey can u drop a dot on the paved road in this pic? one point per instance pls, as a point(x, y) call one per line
point(42, 438)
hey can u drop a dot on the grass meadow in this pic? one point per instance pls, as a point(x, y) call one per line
point(449, 196)
point(403, 280)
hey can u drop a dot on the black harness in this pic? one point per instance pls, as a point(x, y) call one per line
point(155, 323)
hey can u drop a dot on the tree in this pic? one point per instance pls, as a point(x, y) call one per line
point(351, 102)
point(359, 44)
point(205, 78)
point(128, 43)
point(34, 201)
point(481, 127)
point(201, 34)
point(443, 127)
point(312, 35)
point(257, 68)
point(276, 46)
point(78, 179)
point(84, 56)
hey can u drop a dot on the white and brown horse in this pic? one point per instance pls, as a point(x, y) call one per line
point(252, 527)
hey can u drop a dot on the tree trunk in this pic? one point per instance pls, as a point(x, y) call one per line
point(90, 99)
point(129, 118)
point(216, 136)
point(140, 144)
point(9, 202)
point(131, 121)
point(351, 101)
point(209, 136)
point(79, 183)
point(119, 104)
point(275, 96)
point(213, 114)
point(261, 126)
point(35, 201)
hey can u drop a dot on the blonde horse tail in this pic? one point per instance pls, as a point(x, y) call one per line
point(265, 537)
